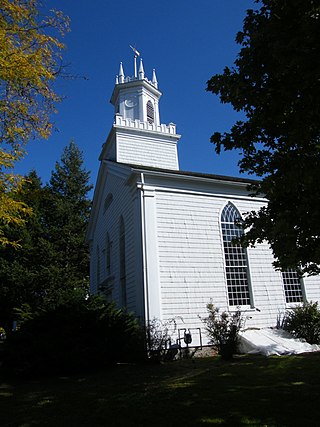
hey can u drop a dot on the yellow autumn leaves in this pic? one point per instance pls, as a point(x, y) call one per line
point(30, 61)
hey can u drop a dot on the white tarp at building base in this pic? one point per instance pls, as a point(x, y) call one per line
point(273, 342)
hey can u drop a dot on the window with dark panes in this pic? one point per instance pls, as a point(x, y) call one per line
point(236, 262)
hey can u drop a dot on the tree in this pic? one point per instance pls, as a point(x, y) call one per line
point(30, 61)
point(67, 216)
point(52, 265)
point(12, 211)
point(275, 84)
point(23, 272)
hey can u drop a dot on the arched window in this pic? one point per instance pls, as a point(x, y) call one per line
point(98, 268)
point(122, 255)
point(292, 284)
point(107, 202)
point(235, 258)
point(150, 112)
point(108, 255)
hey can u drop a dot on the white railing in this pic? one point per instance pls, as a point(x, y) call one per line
point(128, 79)
point(137, 124)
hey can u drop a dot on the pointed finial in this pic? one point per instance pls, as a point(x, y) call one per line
point(154, 79)
point(121, 74)
point(117, 80)
point(141, 70)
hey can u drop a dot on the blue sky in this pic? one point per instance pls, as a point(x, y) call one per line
point(186, 41)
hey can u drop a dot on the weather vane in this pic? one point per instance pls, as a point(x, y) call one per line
point(136, 54)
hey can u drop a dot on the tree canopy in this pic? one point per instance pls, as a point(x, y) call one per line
point(275, 83)
point(30, 61)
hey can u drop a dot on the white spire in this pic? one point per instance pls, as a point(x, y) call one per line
point(141, 70)
point(117, 80)
point(154, 79)
point(121, 74)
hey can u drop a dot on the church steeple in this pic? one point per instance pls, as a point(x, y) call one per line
point(137, 136)
point(136, 97)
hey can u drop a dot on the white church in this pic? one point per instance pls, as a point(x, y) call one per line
point(160, 238)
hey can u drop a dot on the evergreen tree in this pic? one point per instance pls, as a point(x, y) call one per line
point(22, 278)
point(67, 216)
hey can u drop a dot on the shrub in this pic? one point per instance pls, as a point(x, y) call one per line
point(158, 339)
point(77, 336)
point(223, 330)
point(2, 333)
point(304, 322)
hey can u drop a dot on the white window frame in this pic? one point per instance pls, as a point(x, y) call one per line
point(150, 108)
point(242, 295)
point(297, 287)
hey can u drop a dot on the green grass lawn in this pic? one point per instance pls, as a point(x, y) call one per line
point(250, 391)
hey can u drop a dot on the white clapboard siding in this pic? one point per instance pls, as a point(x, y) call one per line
point(312, 288)
point(191, 273)
point(108, 222)
point(148, 151)
point(191, 261)
point(182, 267)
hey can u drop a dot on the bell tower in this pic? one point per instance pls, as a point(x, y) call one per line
point(137, 98)
point(137, 136)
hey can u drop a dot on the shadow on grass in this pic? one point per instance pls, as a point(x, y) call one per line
point(252, 390)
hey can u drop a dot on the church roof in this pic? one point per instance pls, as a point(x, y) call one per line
point(192, 174)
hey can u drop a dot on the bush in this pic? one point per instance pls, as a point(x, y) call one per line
point(159, 340)
point(77, 336)
point(2, 333)
point(223, 330)
point(304, 322)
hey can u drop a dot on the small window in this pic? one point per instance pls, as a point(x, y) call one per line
point(292, 286)
point(150, 112)
point(107, 202)
point(122, 248)
point(98, 271)
point(108, 255)
point(235, 258)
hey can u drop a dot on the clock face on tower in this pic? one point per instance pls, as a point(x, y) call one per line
point(130, 102)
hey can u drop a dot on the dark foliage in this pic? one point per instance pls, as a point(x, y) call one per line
point(275, 84)
point(74, 337)
point(52, 265)
point(304, 322)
